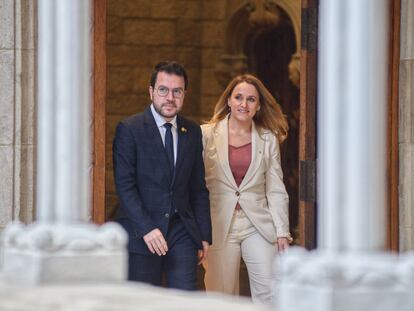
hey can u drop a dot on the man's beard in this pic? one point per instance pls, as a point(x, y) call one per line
point(161, 113)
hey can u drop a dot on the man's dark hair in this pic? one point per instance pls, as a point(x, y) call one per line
point(169, 67)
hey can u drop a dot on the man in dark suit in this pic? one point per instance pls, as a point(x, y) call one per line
point(159, 177)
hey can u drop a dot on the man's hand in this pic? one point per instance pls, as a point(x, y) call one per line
point(202, 253)
point(282, 244)
point(155, 242)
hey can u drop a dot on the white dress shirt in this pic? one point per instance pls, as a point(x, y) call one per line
point(160, 121)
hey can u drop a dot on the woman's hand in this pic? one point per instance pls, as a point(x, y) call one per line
point(282, 244)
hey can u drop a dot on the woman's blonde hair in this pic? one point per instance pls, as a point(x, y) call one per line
point(270, 115)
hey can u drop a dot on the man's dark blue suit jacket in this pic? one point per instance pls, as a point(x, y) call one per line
point(144, 184)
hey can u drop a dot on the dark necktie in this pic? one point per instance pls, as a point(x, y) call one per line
point(169, 145)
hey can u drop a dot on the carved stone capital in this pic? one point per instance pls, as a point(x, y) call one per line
point(294, 69)
point(263, 13)
point(357, 280)
point(51, 238)
point(50, 253)
point(347, 270)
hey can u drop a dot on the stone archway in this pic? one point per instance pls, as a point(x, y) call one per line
point(257, 14)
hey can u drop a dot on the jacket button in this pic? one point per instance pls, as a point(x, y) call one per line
point(237, 193)
point(167, 215)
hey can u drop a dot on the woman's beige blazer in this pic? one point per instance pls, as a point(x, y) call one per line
point(262, 194)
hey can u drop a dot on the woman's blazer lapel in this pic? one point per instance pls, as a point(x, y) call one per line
point(257, 155)
point(221, 140)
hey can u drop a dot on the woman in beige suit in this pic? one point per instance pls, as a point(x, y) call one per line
point(249, 202)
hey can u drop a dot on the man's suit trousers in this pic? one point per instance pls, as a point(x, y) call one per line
point(179, 264)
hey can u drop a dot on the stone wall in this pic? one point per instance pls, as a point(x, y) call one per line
point(141, 33)
point(17, 110)
point(406, 127)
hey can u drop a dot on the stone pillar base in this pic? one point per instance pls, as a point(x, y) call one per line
point(345, 281)
point(57, 253)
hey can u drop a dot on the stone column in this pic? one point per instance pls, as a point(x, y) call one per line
point(406, 127)
point(349, 270)
point(352, 90)
point(17, 110)
point(64, 104)
point(62, 246)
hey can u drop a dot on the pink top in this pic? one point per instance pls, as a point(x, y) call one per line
point(239, 160)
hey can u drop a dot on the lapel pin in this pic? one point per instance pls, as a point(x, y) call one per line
point(183, 129)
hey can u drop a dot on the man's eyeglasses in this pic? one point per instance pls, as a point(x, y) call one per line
point(176, 93)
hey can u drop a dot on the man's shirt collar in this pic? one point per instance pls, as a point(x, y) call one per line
point(159, 120)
